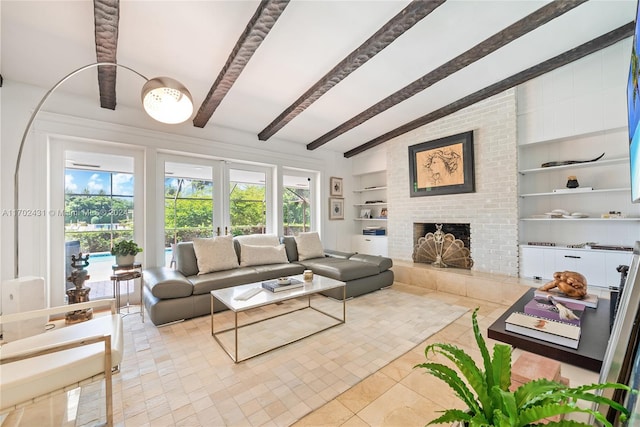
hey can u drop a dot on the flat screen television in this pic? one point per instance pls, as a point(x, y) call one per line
point(633, 109)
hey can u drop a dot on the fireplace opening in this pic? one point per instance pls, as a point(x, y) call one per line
point(442, 244)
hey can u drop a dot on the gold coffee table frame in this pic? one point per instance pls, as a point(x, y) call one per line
point(226, 296)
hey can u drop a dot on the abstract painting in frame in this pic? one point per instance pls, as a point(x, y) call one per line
point(442, 166)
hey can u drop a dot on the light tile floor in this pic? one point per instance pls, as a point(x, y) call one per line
point(395, 395)
point(399, 395)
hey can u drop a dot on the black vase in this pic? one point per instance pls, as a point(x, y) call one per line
point(572, 182)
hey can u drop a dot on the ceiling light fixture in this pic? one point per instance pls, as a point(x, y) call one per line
point(163, 99)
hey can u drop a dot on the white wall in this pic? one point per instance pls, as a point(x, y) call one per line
point(72, 118)
point(587, 95)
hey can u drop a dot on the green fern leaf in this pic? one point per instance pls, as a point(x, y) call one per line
point(469, 370)
point(502, 366)
point(451, 378)
point(566, 423)
point(533, 392)
point(538, 413)
point(504, 404)
point(482, 346)
point(450, 416)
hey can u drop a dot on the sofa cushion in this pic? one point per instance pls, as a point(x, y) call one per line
point(262, 255)
point(215, 254)
point(383, 263)
point(186, 259)
point(309, 246)
point(341, 269)
point(338, 254)
point(205, 283)
point(165, 283)
point(255, 240)
point(273, 271)
point(291, 248)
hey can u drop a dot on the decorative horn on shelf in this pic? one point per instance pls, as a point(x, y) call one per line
point(570, 162)
point(163, 98)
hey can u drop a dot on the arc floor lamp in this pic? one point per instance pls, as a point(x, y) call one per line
point(163, 98)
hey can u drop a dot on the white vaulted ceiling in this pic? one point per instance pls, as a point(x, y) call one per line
point(192, 40)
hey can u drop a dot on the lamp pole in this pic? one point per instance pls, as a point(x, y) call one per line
point(16, 177)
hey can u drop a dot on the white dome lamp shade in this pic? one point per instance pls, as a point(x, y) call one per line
point(167, 100)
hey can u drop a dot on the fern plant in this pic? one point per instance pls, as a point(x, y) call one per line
point(489, 400)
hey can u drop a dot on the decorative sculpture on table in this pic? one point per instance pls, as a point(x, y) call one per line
point(571, 283)
point(442, 250)
point(80, 293)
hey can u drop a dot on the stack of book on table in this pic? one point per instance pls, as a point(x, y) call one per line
point(276, 286)
point(549, 319)
point(588, 300)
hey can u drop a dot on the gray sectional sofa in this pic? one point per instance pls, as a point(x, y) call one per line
point(172, 295)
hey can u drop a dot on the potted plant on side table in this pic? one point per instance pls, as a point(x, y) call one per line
point(125, 251)
point(491, 403)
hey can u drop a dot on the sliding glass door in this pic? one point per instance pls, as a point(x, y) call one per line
point(248, 200)
point(188, 205)
point(99, 210)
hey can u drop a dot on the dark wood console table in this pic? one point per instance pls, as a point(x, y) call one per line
point(593, 338)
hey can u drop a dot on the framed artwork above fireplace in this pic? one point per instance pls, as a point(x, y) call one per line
point(442, 166)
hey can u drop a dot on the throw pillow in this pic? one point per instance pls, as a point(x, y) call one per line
point(215, 254)
point(309, 246)
point(262, 255)
point(259, 239)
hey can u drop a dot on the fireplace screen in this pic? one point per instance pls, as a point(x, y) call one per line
point(442, 250)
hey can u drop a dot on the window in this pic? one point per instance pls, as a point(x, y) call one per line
point(296, 204)
point(247, 202)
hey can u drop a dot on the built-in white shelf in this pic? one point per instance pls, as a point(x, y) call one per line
point(369, 219)
point(371, 204)
point(362, 190)
point(564, 193)
point(606, 162)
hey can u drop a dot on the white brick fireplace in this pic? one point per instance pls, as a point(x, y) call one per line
point(492, 211)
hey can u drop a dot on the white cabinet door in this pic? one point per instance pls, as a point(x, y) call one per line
point(599, 267)
point(590, 264)
point(537, 263)
point(370, 245)
point(612, 261)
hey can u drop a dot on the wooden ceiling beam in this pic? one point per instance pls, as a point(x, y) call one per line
point(106, 14)
point(558, 61)
point(394, 28)
point(254, 33)
point(479, 51)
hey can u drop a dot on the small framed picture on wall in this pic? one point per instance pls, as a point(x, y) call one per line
point(336, 186)
point(336, 208)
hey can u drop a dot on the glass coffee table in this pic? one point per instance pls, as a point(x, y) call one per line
point(228, 297)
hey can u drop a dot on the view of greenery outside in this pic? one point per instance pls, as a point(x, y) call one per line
point(296, 210)
point(98, 208)
point(188, 209)
point(247, 208)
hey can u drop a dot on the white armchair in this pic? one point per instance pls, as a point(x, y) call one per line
point(62, 358)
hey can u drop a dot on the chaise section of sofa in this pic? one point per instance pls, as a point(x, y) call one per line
point(362, 273)
point(184, 293)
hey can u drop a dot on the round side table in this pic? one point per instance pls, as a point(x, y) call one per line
point(127, 273)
